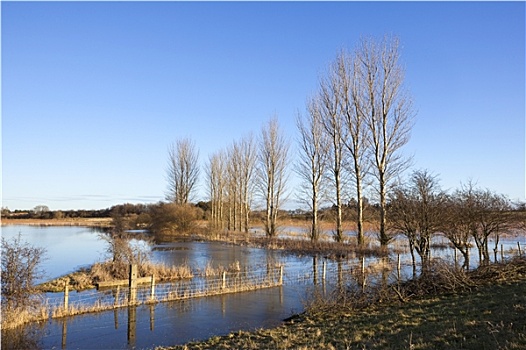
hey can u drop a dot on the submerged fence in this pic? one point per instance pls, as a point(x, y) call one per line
point(131, 292)
point(360, 273)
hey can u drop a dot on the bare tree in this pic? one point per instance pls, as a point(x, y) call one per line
point(417, 210)
point(233, 186)
point(183, 171)
point(460, 219)
point(273, 161)
point(355, 135)
point(312, 161)
point(247, 169)
point(381, 98)
point(491, 215)
point(333, 126)
point(215, 172)
point(20, 269)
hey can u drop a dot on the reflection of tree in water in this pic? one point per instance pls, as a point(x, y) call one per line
point(25, 337)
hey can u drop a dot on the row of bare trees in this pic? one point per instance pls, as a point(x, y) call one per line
point(350, 143)
point(230, 175)
point(351, 135)
point(246, 168)
point(234, 175)
point(420, 209)
point(353, 132)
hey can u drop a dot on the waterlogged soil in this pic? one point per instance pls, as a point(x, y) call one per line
point(491, 317)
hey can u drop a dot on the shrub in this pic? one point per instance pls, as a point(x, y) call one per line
point(174, 218)
point(20, 269)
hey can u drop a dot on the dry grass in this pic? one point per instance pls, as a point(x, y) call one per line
point(109, 271)
point(72, 310)
point(89, 222)
point(15, 318)
point(485, 311)
point(329, 249)
point(210, 271)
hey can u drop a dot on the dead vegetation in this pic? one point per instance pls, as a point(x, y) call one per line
point(302, 247)
point(446, 308)
point(88, 278)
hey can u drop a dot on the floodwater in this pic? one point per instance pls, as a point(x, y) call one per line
point(68, 248)
point(170, 323)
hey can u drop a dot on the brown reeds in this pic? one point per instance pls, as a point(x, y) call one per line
point(329, 249)
point(439, 278)
point(87, 278)
point(17, 317)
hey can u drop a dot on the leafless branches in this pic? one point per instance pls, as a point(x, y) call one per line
point(216, 176)
point(312, 161)
point(20, 269)
point(182, 172)
point(417, 210)
point(332, 121)
point(387, 109)
point(273, 166)
point(231, 181)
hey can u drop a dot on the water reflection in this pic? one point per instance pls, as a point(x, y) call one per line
point(24, 338)
point(68, 248)
point(170, 323)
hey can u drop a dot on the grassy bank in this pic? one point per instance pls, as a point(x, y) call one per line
point(89, 222)
point(489, 313)
point(87, 278)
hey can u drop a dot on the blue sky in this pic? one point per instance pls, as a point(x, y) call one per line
point(93, 93)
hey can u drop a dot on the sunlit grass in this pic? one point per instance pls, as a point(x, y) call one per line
point(489, 315)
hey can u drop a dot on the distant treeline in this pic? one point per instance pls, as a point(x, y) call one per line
point(55, 214)
point(128, 210)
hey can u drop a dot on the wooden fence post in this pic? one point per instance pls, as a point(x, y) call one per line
point(116, 302)
point(281, 275)
point(502, 252)
point(398, 268)
point(223, 280)
point(519, 245)
point(363, 274)
point(133, 284)
point(152, 291)
point(66, 296)
point(324, 273)
point(64, 332)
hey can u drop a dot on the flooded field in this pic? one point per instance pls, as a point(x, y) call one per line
point(169, 323)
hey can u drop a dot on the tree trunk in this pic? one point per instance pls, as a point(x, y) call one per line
point(413, 258)
point(359, 212)
point(314, 235)
point(384, 238)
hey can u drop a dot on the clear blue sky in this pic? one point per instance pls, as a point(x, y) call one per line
point(93, 93)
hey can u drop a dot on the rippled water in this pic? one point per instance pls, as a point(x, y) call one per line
point(170, 323)
point(165, 323)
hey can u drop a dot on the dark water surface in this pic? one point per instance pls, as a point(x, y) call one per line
point(68, 248)
point(170, 323)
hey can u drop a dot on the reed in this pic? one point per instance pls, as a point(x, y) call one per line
point(17, 317)
point(330, 249)
point(77, 309)
point(87, 278)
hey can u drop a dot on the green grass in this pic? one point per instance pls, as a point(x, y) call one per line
point(490, 316)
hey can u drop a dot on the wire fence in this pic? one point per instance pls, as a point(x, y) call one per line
point(359, 273)
point(119, 296)
point(371, 272)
